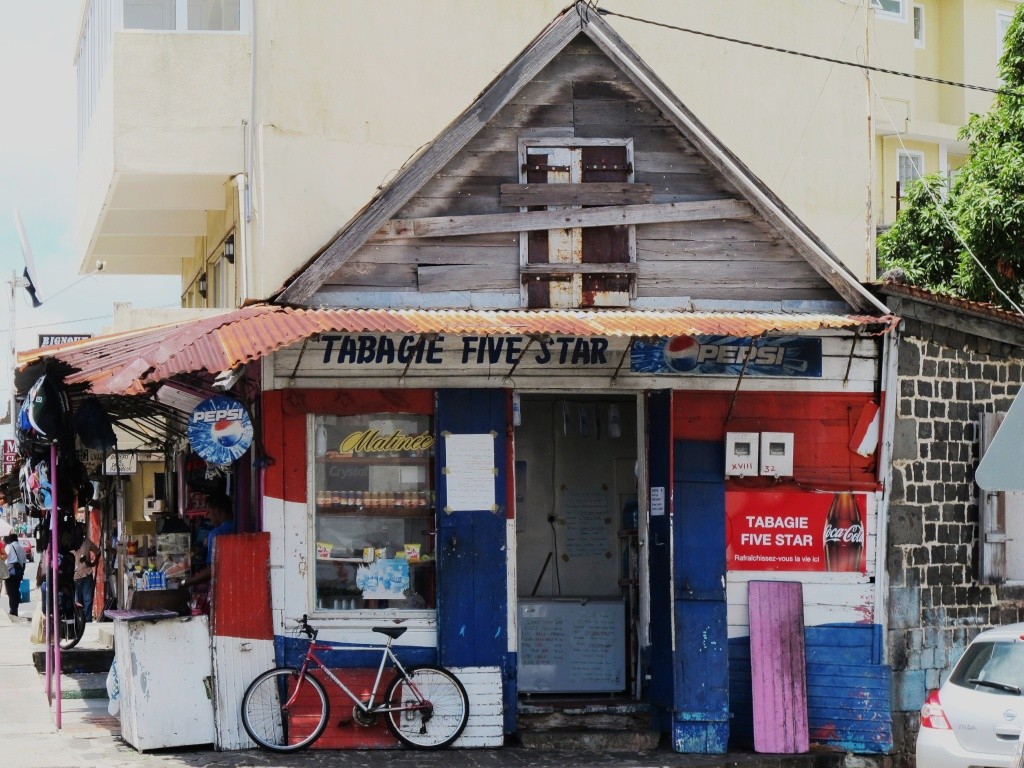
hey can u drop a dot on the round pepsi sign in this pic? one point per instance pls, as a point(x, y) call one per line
point(220, 430)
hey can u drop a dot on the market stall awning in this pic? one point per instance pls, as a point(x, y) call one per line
point(132, 362)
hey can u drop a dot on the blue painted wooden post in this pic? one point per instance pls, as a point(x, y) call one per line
point(472, 609)
point(778, 666)
point(661, 691)
point(701, 721)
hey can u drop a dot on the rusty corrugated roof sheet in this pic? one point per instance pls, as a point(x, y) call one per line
point(126, 363)
point(977, 308)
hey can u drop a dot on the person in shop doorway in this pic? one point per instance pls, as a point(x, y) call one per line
point(15, 562)
point(223, 520)
point(86, 558)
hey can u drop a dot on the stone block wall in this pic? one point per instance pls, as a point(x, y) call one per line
point(936, 602)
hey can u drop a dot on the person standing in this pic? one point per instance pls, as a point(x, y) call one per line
point(223, 519)
point(86, 558)
point(15, 562)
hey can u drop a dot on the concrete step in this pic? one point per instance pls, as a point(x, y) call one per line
point(84, 686)
point(609, 740)
point(78, 660)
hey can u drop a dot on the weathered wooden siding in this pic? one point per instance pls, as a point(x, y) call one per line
point(778, 666)
point(580, 94)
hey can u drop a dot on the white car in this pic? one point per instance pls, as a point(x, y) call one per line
point(975, 718)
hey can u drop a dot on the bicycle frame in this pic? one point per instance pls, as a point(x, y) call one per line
point(312, 660)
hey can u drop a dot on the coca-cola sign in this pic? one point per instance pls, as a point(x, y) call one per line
point(796, 531)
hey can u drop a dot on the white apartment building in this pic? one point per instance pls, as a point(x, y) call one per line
point(228, 140)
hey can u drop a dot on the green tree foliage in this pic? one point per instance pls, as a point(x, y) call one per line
point(985, 204)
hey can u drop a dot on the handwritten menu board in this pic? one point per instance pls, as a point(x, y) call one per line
point(588, 524)
point(569, 645)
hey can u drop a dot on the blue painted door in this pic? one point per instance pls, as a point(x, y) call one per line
point(700, 663)
point(659, 663)
point(472, 600)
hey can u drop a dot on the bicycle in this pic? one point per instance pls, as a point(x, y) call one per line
point(70, 624)
point(426, 707)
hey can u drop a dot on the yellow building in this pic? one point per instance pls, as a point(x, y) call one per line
point(229, 140)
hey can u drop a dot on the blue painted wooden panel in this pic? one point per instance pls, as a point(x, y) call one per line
point(659, 458)
point(778, 666)
point(701, 719)
point(290, 651)
point(472, 578)
point(849, 693)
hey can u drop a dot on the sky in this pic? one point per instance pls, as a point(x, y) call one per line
point(38, 161)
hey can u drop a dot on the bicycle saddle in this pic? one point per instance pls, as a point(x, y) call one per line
point(393, 632)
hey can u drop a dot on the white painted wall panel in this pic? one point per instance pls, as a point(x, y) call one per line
point(486, 713)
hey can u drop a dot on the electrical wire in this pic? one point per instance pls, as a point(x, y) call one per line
point(945, 215)
point(817, 100)
point(802, 54)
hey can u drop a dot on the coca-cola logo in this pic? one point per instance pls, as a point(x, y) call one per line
point(853, 534)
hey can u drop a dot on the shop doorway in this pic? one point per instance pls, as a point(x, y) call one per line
point(578, 559)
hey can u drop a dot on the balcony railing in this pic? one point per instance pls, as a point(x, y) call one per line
point(104, 17)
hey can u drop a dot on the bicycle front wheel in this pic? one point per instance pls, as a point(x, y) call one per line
point(280, 728)
point(432, 707)
point(71, 626)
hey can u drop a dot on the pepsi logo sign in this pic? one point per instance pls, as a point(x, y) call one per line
point(684, 353)
point(220, 430)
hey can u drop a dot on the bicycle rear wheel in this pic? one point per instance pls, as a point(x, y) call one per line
point(276, 728)
point(443, 714)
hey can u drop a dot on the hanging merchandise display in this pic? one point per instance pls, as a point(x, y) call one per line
point(220, 430)
point(44, 417)
point(93, 426)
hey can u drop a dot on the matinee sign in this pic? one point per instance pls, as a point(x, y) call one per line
point(762, 356)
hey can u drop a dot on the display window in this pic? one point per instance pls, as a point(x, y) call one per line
point(374, 512)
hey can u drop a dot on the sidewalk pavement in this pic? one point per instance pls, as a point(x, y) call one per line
point(90, 736)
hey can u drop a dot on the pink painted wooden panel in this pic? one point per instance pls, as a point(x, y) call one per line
point(778, 667)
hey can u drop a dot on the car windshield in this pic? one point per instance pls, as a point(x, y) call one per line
point(992, 666)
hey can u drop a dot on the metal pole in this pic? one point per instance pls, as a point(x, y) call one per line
point(14, 357)
point(54, 580)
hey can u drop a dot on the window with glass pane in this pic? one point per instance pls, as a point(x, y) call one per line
point(214, 15)
point(890, 7)
point(374, 523)
point(149, 14)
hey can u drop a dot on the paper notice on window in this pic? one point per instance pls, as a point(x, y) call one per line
point(469, 472)
point(657, 501)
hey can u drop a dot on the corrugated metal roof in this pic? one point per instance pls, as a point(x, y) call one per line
point(977, 308)
point(126, 363)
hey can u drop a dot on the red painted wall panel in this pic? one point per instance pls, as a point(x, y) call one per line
point(821, 423)
point(284, 426)
point(240, 605)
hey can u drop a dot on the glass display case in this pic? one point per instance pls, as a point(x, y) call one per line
point(374, 521)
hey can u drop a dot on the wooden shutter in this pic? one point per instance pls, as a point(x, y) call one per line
point(991, 514)
point(605, 245)
point(574, 287)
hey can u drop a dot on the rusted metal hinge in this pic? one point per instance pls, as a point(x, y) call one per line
point(548, 168)
point(628, 167)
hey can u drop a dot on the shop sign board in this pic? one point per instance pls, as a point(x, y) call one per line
point(10, 457)
point(730, 355)
point(52, 339)
point(121, 464)
point(796, 531)
point(371, 349)
point(761, 356)
point(220, 430)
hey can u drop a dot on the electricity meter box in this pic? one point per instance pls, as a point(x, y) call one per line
point(777, 454)
point(741, 454)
